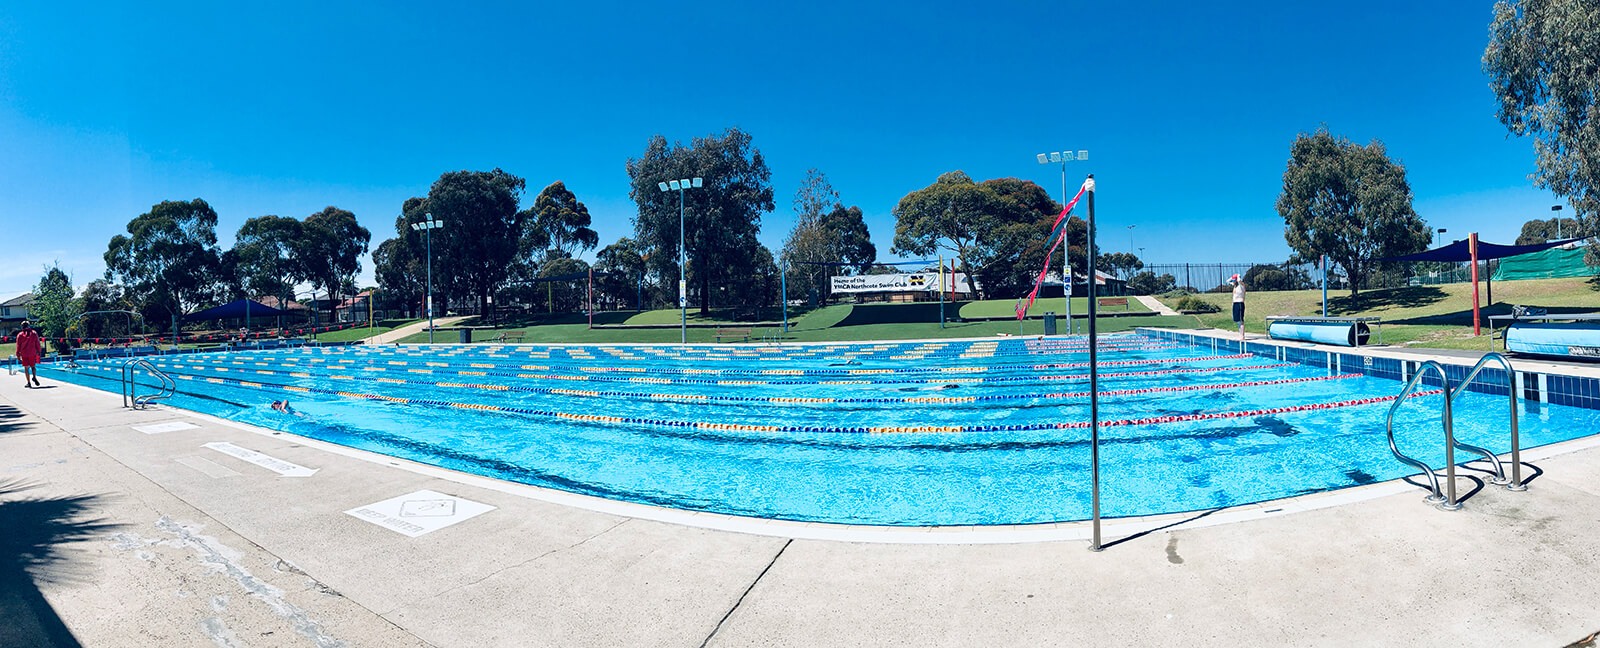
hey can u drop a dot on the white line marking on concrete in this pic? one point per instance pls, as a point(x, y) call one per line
point(211, 468)
point(419, 512)
point(273, 464)
point(169, 426)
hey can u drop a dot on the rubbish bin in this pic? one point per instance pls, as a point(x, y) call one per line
point(466, 335)
point(1049, 322)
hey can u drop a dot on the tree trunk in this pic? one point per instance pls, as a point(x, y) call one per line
point(971, 281)
point(705, 295)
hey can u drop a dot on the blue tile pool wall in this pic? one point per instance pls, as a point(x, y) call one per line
point(1576, 391)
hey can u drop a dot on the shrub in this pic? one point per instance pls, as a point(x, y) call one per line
point(1195, 304)
point(1147, 283)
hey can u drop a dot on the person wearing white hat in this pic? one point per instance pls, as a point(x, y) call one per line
point(1238, 303)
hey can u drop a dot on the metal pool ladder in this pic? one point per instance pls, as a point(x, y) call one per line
point(1447, 498)
point(129, 386)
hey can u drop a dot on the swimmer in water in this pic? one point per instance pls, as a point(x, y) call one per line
point(844, 364)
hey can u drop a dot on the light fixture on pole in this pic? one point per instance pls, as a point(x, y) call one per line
point(681, 186)
point(1557, 209)
point(1062, 158)
point(1440, 237)
point(428, 226)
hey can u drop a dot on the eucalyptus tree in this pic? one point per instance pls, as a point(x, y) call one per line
point(266, 258)
point(169, 256)
point(475, 252)
point(720, 219)
point(825, 232)
point(1350, 202)
point(1541, 65)
point(330, 247)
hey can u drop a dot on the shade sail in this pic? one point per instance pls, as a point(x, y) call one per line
point(1459, 251)
point(234, 310)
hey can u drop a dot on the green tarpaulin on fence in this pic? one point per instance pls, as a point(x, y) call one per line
point(1546, 264)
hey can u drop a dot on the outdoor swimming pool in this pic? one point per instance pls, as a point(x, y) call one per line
point(917, 433)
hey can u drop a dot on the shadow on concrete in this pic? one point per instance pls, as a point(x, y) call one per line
point(1477, 484)
point(1141, 534)
point(1527, 478)
point(34, 531)
point(10, 419)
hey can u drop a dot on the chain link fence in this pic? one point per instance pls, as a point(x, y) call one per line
point(1213, 277)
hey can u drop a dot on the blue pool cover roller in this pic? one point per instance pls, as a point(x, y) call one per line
point(1336, 333)
point(1570, 339)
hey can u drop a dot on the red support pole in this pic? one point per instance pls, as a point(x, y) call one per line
point(1472, 245)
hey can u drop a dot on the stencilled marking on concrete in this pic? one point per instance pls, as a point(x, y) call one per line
point(227, 562)
point(211, 468)
point(273, 464)
point(420, 512)
point(169, 426)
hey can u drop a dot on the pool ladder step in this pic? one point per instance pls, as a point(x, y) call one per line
point(166, 389)
point(1446, 498)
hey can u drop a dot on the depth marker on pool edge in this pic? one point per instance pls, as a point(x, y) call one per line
point(285, 468)
point(421, 512)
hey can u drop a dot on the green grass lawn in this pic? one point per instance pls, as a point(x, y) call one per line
point(839, 323)
point(1008, 307)
point(1427, 316)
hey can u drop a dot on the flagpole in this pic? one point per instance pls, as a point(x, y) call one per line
point(1094, 382)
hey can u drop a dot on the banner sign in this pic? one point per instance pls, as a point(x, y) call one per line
point(922, 281)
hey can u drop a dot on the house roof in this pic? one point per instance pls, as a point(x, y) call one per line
point(359, 298)
point(20, 300)
point(274, 302)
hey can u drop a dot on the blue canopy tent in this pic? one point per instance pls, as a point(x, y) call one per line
point(1472, 250)
point(243, 308)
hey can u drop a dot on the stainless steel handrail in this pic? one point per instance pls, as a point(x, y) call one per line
point(138, 401)
point(1515, 483)
point(1447, 503)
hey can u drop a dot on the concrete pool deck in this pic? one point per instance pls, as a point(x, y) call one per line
point(155, 539)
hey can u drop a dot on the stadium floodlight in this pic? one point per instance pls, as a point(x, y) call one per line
point(1043, 159)
point(1055, 156)
point(1083, 155)
point(683, 299)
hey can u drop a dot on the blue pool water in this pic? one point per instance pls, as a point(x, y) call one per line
point(941, 433)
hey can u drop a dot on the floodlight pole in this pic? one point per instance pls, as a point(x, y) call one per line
point(1066, 241)
point(783, 279)
point(1094, 385)
point(427, 226)
point(1557, 210)
point(681, 186)
point(429, 236)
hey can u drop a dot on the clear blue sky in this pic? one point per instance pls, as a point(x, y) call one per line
point(1187, 109)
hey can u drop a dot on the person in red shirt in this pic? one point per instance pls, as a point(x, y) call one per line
point(29, 349)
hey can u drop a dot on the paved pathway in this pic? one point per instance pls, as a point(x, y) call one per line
point(412, 329)
point(139, 539)
point(1155, 305)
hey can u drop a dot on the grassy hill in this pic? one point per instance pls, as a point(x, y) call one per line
point(1430, 316)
